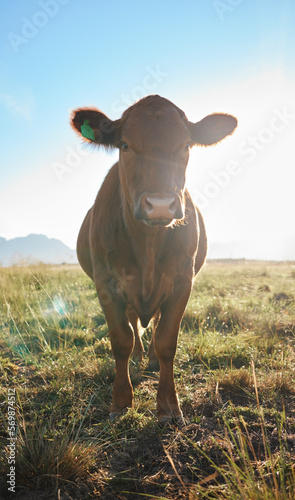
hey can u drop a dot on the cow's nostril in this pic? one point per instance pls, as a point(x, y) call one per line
point(147, 204)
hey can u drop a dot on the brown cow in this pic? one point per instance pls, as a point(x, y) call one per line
point(143, 241)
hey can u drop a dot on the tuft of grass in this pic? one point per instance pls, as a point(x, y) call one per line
point(249, 473)
point(48, 460)
point(246, 475)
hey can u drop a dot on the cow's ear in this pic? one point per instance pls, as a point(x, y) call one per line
point(95, 127)
point(212, 129)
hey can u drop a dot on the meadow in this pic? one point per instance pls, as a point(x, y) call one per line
point(234, 370)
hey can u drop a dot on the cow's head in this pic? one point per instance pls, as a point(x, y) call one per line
point(154, 138)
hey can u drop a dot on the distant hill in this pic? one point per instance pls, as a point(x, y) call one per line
point(264, 248)
point(35, 248)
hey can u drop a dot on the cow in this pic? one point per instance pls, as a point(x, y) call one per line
point(143, 241)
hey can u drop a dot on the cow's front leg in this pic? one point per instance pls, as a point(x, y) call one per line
point(122, 341)
point(165, 347)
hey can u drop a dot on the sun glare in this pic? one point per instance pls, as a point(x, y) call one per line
point(248, 177)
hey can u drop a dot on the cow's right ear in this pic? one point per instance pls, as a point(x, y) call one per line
point(95, 127)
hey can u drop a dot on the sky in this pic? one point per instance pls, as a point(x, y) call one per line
point(230, 56)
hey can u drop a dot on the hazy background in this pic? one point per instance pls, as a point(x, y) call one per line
point(234, 56)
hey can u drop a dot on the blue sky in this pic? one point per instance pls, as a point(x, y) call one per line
point(234, 56)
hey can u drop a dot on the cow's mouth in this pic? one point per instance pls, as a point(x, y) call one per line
point(158, 222)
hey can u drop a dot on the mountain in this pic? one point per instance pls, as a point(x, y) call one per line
point(35, 248)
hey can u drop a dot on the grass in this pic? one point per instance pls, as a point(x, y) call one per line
point(235, 374)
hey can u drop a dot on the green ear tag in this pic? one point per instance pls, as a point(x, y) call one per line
point(87, 131)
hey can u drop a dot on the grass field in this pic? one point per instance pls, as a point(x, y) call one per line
point(235, 374)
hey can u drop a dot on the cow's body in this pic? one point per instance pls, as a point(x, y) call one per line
point(143, 240)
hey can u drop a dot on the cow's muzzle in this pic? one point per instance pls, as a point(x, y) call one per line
point(159, 209)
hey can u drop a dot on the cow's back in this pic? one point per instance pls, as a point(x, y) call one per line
point(83, 247)
point(202, 243)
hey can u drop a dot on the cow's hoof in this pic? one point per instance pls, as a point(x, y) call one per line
point(172, 421)
point(113, 416)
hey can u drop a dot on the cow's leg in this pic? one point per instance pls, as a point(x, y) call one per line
point(138, 346)
point(165, 346)
point(153, 365)
point(122, 341)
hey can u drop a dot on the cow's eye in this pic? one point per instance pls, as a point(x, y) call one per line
point(124, 146)
point(187, 146)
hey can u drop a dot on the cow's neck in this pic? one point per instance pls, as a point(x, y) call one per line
point(146, 243)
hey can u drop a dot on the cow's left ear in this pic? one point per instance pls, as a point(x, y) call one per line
point(212, 129)
point(95, 127)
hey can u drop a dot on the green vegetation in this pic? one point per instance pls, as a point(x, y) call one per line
point(235, 374)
